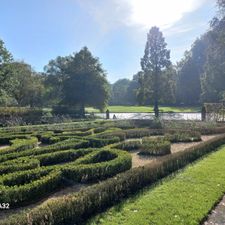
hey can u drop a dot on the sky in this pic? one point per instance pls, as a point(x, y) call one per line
point(115, 31)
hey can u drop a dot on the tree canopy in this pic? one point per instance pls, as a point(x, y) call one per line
point(85, 83)
point(155, 61)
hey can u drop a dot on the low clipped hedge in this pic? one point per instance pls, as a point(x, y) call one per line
point(61, 156)
point(23, 163)
point(95, 142)
point(63, 145)
point(6, 138)
point(142, 132)
point(132, 133)
point(52, 169)
point(79, 206)
point(18, 145)
point(183, 136)
point(26, 186)
point(155, 147)
point(128, 145)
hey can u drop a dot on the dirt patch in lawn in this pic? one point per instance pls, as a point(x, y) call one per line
point(139, 160)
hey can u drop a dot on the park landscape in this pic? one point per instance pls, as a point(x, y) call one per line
point(68, 158)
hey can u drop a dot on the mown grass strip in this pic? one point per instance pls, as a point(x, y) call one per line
point(185, 199)
point(144, 109)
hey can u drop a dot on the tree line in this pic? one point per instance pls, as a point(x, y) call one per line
point(79, 79)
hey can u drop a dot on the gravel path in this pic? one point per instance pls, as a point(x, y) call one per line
point(3, 146)
point(65, 191)
point(139, 160)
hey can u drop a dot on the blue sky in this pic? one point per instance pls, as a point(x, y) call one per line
point(114, 30)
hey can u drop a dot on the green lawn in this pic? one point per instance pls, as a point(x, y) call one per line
point(184, 199)
point(145, 109)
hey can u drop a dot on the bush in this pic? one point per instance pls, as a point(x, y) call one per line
point(155, 147)
point(79, 206)
point(19, 145)
point(128, 145)
point(20, 115)
point(142, 132)
point(29, 179)
point(23, 163)
point(183, 136)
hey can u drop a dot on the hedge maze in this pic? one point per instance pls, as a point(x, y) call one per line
point(40, 160)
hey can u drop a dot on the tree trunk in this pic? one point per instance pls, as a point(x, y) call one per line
point(82, 110)
point(156, 96)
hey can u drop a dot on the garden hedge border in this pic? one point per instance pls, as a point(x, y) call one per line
point(81, 205)
point(96, 164)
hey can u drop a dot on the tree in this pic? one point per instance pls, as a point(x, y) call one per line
point(190, 69)
point(28, 87)
point(213, 78)
point(221, 6)
point(54, 78)
point(5, 78)
point(123, 92)
point(85, 83)
point(156, 59)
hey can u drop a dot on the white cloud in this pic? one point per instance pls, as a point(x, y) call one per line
point(161, 13)
point(139, 13)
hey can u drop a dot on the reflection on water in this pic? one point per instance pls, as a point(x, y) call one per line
point(165, 116)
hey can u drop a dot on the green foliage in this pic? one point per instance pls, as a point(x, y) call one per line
point(79, 206)
point(212, 81)
point(183, 136)
point(155, 146)
point(156, 60)
point(188, 196)
point(86, 83)
point(190, 69)
point(123, 92)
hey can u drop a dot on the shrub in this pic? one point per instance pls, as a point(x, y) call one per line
point(142, 132)
point(79, 206)
point(155, 147)
point(23, 163)
point(128, 145)
point(19, 145)
point(183, 136)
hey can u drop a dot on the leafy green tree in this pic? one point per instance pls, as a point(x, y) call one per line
point(213, 78)
point(27, 87)
point(85, 83)
point(190, 69)
point(156, 59)
point(5, 78)
point(54, 78)
point(123, 92)
point(221, 6)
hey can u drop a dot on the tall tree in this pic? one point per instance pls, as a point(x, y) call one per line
point(28, 87)
point(213, 78)
point(156, 59)
point(85, 84)
point(190, 69)
point(54, 78)
point(5, 78)
point(123, 92)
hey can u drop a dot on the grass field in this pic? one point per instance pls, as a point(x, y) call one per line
point(145, 109)
point(181, 200)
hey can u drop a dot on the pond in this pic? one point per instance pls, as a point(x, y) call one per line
point(165, 116)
